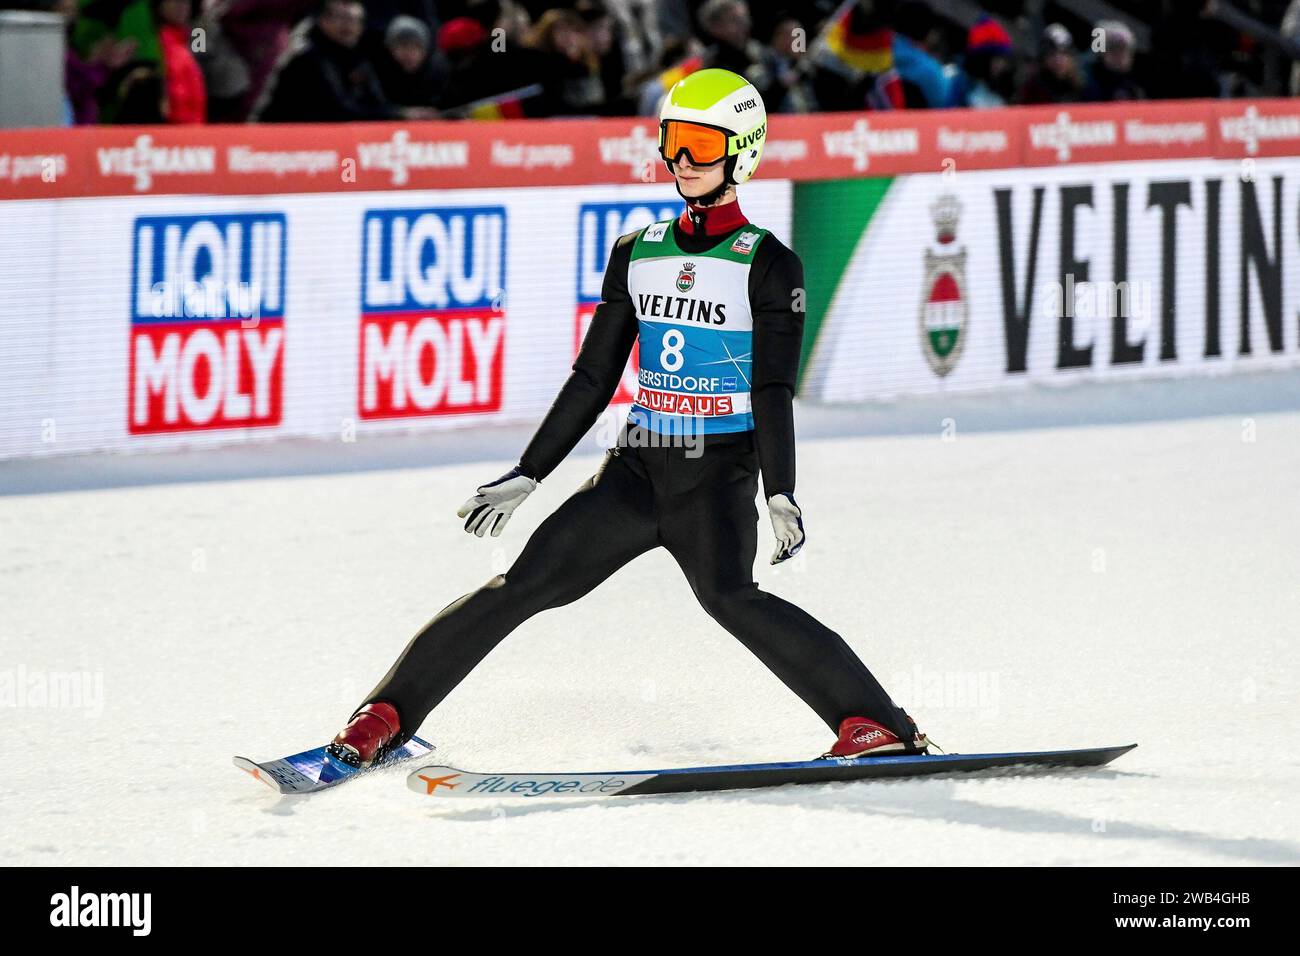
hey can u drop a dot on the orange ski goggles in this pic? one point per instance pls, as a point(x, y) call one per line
point(703, 145)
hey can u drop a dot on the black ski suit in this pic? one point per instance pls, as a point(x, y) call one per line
point(699, 505)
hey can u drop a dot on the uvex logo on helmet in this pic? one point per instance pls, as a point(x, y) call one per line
point(746, 105)
point(746, 140)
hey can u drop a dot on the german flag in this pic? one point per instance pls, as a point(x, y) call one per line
point(685, 68)
point(498, 110)
point(508, 105)
point(861, 46)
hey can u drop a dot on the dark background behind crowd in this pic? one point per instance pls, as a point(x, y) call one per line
point(232, 61)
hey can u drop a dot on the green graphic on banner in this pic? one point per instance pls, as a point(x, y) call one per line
point(829, 219)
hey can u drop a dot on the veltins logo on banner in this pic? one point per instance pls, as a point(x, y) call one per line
point(945, 307)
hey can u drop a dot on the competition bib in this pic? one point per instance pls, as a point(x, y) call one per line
point(695, 329)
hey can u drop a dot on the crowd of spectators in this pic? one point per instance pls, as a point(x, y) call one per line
point(194, 61)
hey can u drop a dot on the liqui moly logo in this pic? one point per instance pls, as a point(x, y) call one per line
point(599, 226)
point(433, 317)
point(207, 322)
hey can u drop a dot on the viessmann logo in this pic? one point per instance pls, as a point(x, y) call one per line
point(401, 154)
point(143, 160)
point(860, 142)
point(633, 150)
point(1064, 134)
point(1251, 129)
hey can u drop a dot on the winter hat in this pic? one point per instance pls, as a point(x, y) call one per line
point(989, 37)
point(406, 29)
point(1057, 38)
point(460, 33)
point(1117, 35)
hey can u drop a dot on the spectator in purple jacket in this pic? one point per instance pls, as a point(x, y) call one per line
point(84, 79)
point(259, 31)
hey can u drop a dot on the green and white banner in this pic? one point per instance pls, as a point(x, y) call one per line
point(981, 280)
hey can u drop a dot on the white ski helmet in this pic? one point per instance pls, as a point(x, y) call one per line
point(717, 114)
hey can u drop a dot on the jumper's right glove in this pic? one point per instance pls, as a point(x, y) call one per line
point(496, 502)
point(787, 524)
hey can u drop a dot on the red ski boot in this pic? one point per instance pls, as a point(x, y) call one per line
point(861, 737)
point(367, 736)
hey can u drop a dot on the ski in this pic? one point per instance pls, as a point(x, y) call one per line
point(451, 782)
point(315, 770)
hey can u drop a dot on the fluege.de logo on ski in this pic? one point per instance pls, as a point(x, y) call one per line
point(433, 317)
point(207, 322)
point(599, 225)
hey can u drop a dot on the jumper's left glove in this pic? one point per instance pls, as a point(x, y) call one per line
point(787, 523)
point(495, 502)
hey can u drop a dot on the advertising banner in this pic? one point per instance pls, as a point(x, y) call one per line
point(989, 279)
point(168, 321)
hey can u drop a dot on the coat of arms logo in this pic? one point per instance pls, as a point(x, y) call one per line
point(686, 278)
point(945, 305)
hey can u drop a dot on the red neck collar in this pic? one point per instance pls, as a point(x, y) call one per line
point(711, 220)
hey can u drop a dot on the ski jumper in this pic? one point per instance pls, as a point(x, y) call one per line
point(715, 303)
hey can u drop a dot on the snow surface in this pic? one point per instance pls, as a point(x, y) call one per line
point(1083, 567)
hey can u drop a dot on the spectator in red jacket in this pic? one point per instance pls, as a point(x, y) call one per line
point(185, 96)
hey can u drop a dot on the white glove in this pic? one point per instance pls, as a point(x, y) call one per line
point(787, 523)
point(496, 502)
